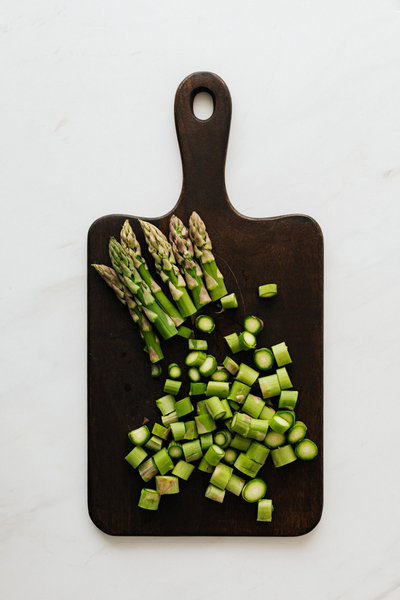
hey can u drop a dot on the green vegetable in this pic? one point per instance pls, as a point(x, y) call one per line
point(267, 291)
point(254, 490)
point(175, 450)
point(233, 342)
point(283, 456)
point(184, 407)
point(130, 278)
point(183, 470)
point(253, 324)
point(205, 324)
point(306, 449)
point(214, 493)
point(221, 476)
point(182, 248)
point(139, 436)
point(281, 354)
point(167, 484)
point(247, 375)
point(264, 510)
point(208, 367)
point(136, 456)
point(149, 499)
point(172, 386)
point(165, 263)
point(247, 341)
point(263, 359)
point(229, 301)
point(174, 371)
point(202, 248)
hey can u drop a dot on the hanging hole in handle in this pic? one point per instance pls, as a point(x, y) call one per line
point(203, 104)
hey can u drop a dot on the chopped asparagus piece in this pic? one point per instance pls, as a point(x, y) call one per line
point(185, 332)
point(233, 342)
point(198, 345)
point(136, 456)
point(267, 291)
point(214, 493)
point(284, 379)
point(167, 484)
point(283, 456)
point(288, 399)
point(149, 499)
point(281, 354)
point(253, 324)
point(172, 386)
point(205, 324)
point(306, 449)
point(174, 371)
point(254, 490)
point(229, 301)
point(264, 510)
point(184, 407)
point(253, 406)
point(230, 365)
point(221, 475)
point(154, 444)
point(139, 436)
point(183, 470)
point(263, 359)
point(247, 341)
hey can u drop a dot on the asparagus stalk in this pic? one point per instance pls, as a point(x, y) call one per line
point(132, 247)
point(161, 251)
point(202, 250)
point(130, 277)
point(147, 332)
point(182, 248)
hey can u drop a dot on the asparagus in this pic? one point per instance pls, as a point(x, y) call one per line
point(131, 246)
point(182, 248)
point(130, 277)
point(161, 251)
point(202, 250)
point(123, 294)
point(112, 279)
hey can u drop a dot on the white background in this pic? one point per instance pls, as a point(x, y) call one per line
point(86, 129)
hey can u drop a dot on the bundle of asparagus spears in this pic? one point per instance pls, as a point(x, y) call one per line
point(185, 263)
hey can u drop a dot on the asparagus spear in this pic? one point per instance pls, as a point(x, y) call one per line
point(202, 249)
point(161, 251)
point(149, 336)
point(131, 246)
point(183, 251)
point(112, 279)
point(130, 277)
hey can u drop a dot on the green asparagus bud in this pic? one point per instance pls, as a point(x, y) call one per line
point(202, 250)
point(182, 248)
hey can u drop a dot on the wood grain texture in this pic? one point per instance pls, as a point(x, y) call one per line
point(285, 250)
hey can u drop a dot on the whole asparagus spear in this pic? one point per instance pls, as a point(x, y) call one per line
point(149, 336)
point(130, 277)
point(202, 249)
point(131, 245)
point(161, 251)
point(183, 251)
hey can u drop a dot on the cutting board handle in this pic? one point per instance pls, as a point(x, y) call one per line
point(203, 143)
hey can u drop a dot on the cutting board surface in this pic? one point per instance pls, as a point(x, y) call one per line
point(286, 250)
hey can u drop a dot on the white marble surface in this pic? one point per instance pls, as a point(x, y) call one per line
point(87, 93)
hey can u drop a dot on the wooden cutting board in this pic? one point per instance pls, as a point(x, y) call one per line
point(286, 250)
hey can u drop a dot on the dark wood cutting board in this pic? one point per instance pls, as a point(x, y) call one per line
point(286, 250)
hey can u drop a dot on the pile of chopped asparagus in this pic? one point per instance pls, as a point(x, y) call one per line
point(232, 425)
